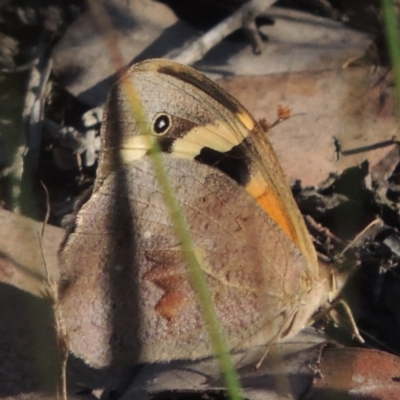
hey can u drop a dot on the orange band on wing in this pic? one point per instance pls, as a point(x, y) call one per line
point(271, 205)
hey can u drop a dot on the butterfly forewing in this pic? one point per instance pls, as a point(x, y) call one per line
point(230, 139)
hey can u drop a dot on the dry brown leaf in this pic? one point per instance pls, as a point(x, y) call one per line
point(357, 374)
point(354, 105)
point(21, 260)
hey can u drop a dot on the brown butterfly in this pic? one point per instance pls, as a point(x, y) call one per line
point(125, 294)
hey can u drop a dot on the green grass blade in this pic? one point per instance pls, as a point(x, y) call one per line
point(393, 40)
point(196, 274)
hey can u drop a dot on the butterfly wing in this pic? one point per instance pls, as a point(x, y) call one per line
point(210, 126)
point(126, 295)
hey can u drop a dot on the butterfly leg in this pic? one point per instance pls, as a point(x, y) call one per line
point(288, 322)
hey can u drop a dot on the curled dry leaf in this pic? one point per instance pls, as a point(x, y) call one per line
point(357, 374)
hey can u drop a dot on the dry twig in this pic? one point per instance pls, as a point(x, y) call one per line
point(243, 17)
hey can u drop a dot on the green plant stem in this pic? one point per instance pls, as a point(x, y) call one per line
point(196, 274)
point(393, 41)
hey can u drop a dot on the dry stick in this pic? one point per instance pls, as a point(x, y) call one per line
point(376, 221)
point(243, 17)
point(251, 31)
point(52, 292)
point(34, 101)
point(340, 301)
point(312, 224)
point(31, 117)
point(43, 67)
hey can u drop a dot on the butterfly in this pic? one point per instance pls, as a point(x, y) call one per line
point(125, 293)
